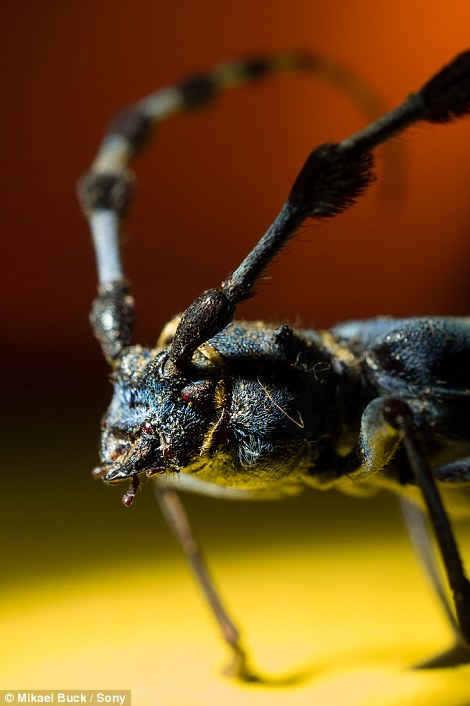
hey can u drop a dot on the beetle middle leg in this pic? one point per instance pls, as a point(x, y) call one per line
point(418, 530)
point(399, 415)
point(387, 423)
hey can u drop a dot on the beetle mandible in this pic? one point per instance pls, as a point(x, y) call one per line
point(237, 409)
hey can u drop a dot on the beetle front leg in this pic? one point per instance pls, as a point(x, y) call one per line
point(177, 519)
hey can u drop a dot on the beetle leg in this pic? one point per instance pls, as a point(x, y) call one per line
point(377, 444)
point(386, 424)
point(454, 472)
point(177, 520)
point(399, 415)
point(420, 538)
point(415, 521)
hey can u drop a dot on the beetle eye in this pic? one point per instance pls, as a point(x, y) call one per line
point(197, 394)
point(149, 428)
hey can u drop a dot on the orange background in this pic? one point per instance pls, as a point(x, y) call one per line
point(211, 183)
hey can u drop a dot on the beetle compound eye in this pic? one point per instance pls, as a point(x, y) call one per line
point(198, 395)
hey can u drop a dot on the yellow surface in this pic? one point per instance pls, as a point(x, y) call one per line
point(327, 629)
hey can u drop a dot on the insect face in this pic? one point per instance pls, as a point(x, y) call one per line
point(253, 410)
point(143, 430)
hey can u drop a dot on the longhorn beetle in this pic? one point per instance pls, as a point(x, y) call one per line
point(236, 409)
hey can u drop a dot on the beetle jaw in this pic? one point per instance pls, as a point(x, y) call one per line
point(140, 459)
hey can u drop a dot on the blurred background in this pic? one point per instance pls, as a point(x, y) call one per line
point(209, 185)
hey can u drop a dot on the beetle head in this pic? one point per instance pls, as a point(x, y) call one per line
point(157, 422)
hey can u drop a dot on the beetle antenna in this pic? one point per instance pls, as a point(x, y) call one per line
point(330, 181)
point(105, 192)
